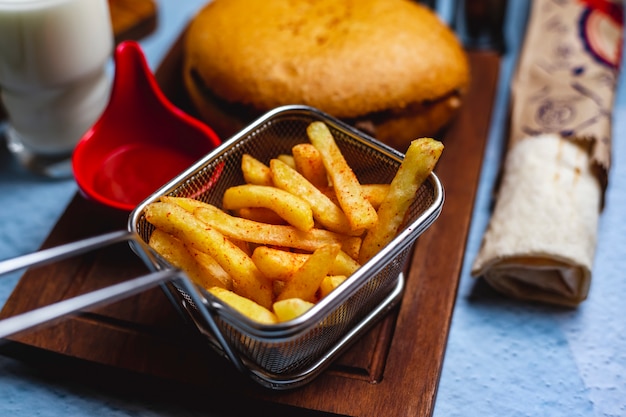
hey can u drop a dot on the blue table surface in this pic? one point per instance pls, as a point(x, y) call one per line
point(503, 358)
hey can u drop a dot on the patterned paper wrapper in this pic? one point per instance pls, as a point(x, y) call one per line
point(541, 238)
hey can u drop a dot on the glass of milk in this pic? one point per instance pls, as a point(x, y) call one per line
point(54, 82)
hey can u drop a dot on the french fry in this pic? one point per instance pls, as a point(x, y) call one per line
point(329, 283)
point(359, 211)
point(245, 306)
point(200, 267)
point(352, 246)
point(288, 159)
point(374, 193)
point(209, 264)
point(327, 213)
point(191, 204)
point(248, 281)
point(309, 163)
point(255, 171)
point(307, 279)
point(419, 161)
point(291, 308)
point(277, 264)
point(271, 234)
point(188, 204)
point(344, 264)
point(260, 214)
point(293, 209)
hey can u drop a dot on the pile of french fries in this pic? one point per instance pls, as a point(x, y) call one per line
point(295, 230)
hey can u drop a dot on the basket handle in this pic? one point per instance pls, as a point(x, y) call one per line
point(47, 314)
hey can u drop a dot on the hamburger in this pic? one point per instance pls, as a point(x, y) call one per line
point(391, 68)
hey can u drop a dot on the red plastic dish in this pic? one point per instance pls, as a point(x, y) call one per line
point(140, 142)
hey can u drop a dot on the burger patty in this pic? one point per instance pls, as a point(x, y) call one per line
point(367, 123)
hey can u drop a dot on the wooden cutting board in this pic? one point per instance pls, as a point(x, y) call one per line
point(142, 346)
point(132, 19)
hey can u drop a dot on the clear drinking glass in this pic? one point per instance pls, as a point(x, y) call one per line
point(54, 83)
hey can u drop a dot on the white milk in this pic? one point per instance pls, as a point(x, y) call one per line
point(53, 78)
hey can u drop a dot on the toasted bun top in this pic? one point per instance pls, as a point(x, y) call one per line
point(348, 58)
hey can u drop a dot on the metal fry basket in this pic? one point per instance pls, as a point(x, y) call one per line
point(290, 354)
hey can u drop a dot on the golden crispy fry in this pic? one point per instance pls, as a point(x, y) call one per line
point(240, 231)
point(245, 306)
point(374, 193)
point(277, 264)
point(288, 159)
point(305, 281)
point(352, 246)
point(278, 287)
point(309, 163)
point(255, 171)
point(208, 263)
point(329, 283)
point(419, 161)
point(191, 204)
point(248, 281)
point(327, 213)
point(188, 204)
point(260, 214)
point(200, 267)
point(359, 211)
point(293, 209)
point(291, 308)
point(271, 234)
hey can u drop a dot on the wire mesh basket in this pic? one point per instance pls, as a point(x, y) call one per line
point(290, 354)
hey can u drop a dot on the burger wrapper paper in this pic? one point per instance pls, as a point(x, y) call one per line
point(541, 238)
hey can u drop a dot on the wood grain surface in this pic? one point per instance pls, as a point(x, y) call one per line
point(393, 370)
point(132, 19)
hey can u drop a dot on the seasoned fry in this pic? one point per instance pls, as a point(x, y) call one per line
point(288, 159)
point(200, 267)
point(213, 268)
point(248, 281)
point(327, 213)
point(309, 163)
point(293, 209)
point(359, 211)
point(329, 283)
point(260, 214)
point(344, 264)
point(305, 281)
point(270, 234)
point(245, 306)
point(419, 161)
point(375, 193)
point(277, 264)
point(255, 171)
point(190, 205)
point(291, 308)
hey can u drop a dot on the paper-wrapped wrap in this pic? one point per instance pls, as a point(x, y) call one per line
point(540, 241)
